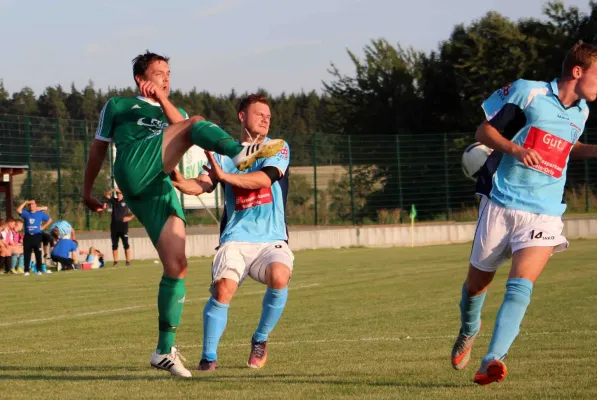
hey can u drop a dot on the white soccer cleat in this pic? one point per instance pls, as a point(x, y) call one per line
point(171, 363)
point(253, 152)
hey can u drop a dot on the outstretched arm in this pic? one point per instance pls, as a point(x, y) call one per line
point(194, 186)
point(252, 180)
point(97, 153)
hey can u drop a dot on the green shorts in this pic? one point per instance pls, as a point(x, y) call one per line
point(148, 191)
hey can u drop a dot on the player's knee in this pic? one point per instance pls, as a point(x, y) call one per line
point(224, 290)
point(475, 287)
point(277, 275)
point(196, 118)
point(175, 266)
point(478, 280)
point(180, 261)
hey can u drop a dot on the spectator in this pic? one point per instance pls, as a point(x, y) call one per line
point(5, 242)
point(16, 265)
point(119, 226)
point(35, 221)
point(11, 240)
point(46, 239)
point(65, 229)
point(64, 251)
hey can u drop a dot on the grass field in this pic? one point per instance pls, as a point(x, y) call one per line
point(359, 323)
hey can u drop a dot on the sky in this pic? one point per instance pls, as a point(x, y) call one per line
point(219, 45)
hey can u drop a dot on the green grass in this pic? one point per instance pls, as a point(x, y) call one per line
point(360, 323)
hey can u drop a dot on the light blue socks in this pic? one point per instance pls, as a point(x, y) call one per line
point(274, 301)
point(509, 318)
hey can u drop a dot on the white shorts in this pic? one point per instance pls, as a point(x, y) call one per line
point(236, 260)
point(94, 261)
point(501, 232)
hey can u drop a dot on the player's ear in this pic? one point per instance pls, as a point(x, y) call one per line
point(577, 71)
point(138, 79)
point(241, 117)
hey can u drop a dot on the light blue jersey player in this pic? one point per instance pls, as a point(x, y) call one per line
point(253, 234)
point(64, 228)
point(255, 216)
point(534, 128)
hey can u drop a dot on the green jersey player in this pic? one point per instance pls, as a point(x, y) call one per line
point(151, 136)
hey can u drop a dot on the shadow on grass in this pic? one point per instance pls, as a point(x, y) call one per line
point(211, 377)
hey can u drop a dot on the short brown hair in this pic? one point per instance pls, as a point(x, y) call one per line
point(582, 55)
point(251, 99)
point(143, 61)
point(55, 233)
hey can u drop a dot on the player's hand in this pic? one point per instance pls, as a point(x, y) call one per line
point(186, 186)
point(528, 157)
point(94, 204)
point(215, 172)
point(148, 89)
point(176, 177)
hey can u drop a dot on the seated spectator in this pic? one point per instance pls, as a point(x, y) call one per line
point(17, 263)
point(63, 251)
point(16, 245)
point(5, 242)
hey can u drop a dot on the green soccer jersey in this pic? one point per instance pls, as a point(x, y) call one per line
point(126, 120)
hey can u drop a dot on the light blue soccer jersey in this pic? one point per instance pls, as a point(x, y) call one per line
point(551, 129)
point(64, 228)
point(258, 215)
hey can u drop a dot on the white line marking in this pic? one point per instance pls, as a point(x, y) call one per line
point(116, 310)
point(299, 342)
point(33, 321)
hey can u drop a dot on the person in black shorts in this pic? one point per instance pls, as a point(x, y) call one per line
point(119, 226)
point(35, 221)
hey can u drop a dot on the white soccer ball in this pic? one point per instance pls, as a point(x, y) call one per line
point(473, 159)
